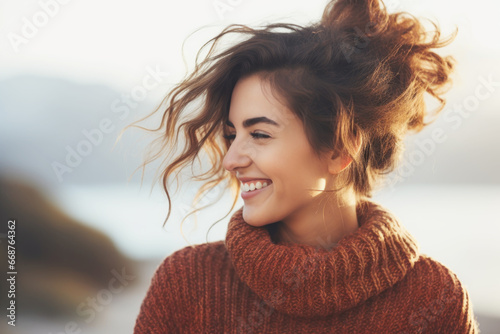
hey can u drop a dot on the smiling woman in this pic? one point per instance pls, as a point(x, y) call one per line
point(306, 122)
point(253, 154)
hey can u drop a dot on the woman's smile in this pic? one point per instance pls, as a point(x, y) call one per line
point(247, 194)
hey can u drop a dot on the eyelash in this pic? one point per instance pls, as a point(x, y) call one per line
point(255, 135)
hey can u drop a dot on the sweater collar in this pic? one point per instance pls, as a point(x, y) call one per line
point(306, 281)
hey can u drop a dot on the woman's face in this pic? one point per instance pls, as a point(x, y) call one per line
point(277, 150)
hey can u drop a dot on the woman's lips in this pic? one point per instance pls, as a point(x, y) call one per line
point(253, 193)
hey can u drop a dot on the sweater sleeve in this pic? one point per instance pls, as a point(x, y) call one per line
point(453, 308)
point(459, 317)
point(160, 308)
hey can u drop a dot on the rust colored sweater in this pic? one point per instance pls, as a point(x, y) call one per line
point(373, 281)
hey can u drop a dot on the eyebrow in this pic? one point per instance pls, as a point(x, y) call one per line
point(252, 121)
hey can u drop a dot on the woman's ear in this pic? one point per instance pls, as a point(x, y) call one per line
point(338, 162)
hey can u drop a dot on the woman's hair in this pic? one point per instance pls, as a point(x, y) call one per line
point(358, 73)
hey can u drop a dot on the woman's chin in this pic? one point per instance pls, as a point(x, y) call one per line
point(254, 218)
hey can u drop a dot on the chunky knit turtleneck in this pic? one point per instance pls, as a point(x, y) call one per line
point(318, 282)
point(373, 281)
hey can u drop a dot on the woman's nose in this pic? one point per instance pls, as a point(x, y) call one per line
point(237, 156)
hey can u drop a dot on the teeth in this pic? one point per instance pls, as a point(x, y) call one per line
point(251, 186)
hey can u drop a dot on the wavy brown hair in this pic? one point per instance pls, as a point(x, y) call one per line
point(358, 73)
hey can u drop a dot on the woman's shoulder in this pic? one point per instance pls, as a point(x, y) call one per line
point(194, 258)
point(440, 300)
point(177, 282)
point(435, 275)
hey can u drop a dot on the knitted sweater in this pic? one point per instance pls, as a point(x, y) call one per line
point(373, 281)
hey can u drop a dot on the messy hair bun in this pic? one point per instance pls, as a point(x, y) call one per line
point(391, 56)
point(358, 73)
point(384, 64)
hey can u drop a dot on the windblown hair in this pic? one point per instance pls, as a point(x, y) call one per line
point(358, 73)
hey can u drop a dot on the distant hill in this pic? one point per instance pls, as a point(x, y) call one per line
point(41, 117)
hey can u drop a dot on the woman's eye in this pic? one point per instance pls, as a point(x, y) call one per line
point(255, 135)
point(259, 135)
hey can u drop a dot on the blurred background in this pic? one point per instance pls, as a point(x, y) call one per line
point(89, 236)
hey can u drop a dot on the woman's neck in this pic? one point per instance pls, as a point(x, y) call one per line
point(322, 226)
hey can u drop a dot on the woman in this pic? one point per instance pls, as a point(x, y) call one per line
point(306, 121)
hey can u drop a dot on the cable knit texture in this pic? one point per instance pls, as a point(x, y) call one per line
point(373, 281)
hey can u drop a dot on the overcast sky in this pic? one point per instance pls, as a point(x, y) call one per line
point(112, 41)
